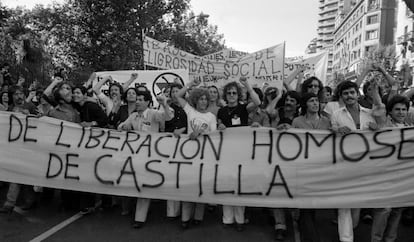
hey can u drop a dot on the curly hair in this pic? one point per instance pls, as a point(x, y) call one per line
point(307, 82)
point(231, 85)
point(196, 94)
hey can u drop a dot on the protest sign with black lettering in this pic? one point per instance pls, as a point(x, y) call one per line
point(240, 166)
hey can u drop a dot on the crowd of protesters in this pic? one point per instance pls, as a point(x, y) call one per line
point(196, 110)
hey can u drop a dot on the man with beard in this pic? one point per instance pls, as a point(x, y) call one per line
point(116, 90)
point(63, 110)
point(289, 110)
point(19, 105)
point(147, 120)
point(349, 118)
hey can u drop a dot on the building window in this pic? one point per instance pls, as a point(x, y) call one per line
point(373, 19)
point(373, 34)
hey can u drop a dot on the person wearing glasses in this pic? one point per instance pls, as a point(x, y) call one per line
point(313, 85)
point(235, 114)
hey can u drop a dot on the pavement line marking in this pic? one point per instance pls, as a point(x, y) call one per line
point(63, 224)
point(57, 227)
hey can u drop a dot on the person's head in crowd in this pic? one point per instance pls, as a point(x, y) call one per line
point(309, 103)
point(348, 91)
point(291, 101)
point(63, 93)
point(5, 87)
point(142, 88)
point(232, 93)
point(335, 96)
point(270, 93)
point(327, 93)
point(5, 67)
point(386, 88)
point(144, 99)
point(199, 99)
point(214, 94)
point(5, 98)
point(115, 90)
point(38, 97)
point(174, 88)
point(314, 85)
point(367, 89)
point(130, 95)
point(18, 97)
point(79, 94)
point(397, 108)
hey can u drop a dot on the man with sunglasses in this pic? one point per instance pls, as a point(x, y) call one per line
point(235, 114)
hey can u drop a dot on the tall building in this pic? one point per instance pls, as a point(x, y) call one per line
point(367, 25)
point(312, 46)
point(328, 12)
point(404, 37)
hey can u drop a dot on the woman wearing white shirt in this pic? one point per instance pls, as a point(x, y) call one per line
point(200, 121)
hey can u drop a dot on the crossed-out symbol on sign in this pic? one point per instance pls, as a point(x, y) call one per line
point(163, 80)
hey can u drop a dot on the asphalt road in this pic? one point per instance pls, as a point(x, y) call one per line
point(48, 222)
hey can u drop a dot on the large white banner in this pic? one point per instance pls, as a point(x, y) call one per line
point(240, 166)
point(264, 66)
point(226, 55)
point(313, 65)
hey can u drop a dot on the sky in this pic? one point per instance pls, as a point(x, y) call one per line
point(250, 25)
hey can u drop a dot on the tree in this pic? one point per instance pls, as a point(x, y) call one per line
point(94, 35)
point(22, 48)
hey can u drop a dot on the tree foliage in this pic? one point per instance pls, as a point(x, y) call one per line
point(93, 35)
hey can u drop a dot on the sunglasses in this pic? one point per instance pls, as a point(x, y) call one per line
point(312, 86)
point(232, 93)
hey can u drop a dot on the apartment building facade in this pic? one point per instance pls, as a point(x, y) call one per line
point(367, 25)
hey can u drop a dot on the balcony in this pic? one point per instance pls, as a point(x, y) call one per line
point(373, 7)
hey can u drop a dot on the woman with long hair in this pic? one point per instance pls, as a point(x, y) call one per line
point(214, 104)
